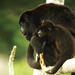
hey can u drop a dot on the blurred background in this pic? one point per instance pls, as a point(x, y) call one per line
point(10, 34)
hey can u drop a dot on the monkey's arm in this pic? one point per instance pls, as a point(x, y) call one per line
point(30, 58)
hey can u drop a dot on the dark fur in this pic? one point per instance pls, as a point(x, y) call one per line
point(32, 19)
point(59, 14)
point(55, 51)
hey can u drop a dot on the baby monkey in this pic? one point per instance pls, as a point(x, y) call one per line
point(55, 42)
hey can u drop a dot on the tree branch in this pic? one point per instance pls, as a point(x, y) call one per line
point(61, 2)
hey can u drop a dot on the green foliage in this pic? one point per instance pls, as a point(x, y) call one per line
point(70, 4)
point(10, 33)
point(22, 68)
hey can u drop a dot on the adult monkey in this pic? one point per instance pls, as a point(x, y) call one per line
point(57, 13)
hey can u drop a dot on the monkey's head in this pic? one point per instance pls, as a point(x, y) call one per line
point(26, 24)
point(45, 28)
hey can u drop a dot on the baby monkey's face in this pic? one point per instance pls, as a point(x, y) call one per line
point(43, 31)
point(45, 28)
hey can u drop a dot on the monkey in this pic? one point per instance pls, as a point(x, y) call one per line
point(59, 46)
point(30, 20)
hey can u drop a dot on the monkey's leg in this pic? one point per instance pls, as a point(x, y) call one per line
point(30, 58)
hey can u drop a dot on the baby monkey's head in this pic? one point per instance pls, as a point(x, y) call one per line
point(45, 28)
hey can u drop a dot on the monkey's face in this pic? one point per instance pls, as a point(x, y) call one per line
point(26, 24)
point(25, 29)
point(43, 31)
point(45, 28)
